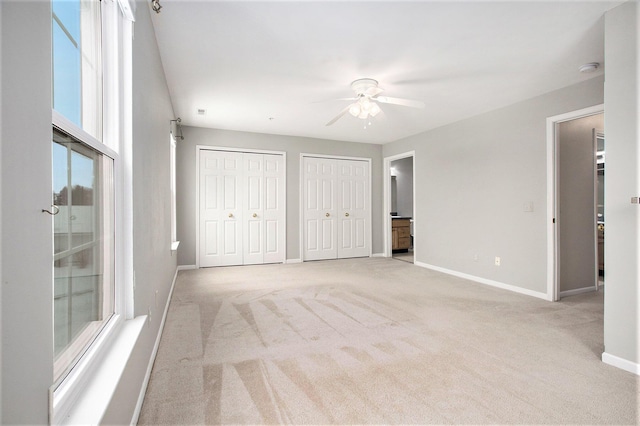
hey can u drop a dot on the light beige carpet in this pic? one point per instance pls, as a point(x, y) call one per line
point(377, 341)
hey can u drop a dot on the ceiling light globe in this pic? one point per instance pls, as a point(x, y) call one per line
point(354, 110)
point(374, 110)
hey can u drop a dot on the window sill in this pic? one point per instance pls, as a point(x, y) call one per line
point(174, 245)
point(89, 400)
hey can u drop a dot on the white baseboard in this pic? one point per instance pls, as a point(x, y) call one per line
point(486, 281)
point(293, 261)
point(145, 383)
point(378, 255)
point(186, 267)
point(575, 291)
point(626, 365)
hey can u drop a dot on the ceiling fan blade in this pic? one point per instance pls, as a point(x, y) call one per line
point(399, 101)
point(337, 117)
point(334, 99)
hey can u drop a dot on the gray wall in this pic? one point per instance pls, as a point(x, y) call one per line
point(293, 146)
point(576, 202)
point(404, 186)
point(27, 296)
point(473, 179)
point(27, 264)
point(622, 251)
point(154, 263)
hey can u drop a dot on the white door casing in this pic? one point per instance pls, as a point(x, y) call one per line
point(242, 208)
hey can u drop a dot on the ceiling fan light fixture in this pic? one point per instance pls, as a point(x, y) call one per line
point(355, 109)
point(363, 115)
point(375, 109)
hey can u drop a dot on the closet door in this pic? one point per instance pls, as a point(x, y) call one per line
point(353, 208)
point(264, 209)
point(319, 208)
point(253, 220)
point(220, 197)
point(274, 209)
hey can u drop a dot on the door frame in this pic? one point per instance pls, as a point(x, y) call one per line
point(301, 192)
point(553, 290)
point(388, 252)
point(199, 149)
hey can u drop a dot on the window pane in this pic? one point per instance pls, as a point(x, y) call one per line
point(77, 75)
point(83, 241)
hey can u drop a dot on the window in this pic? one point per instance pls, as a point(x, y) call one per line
point(77, 64)
point(91, 168)
point(172, 172)
point(83, 239)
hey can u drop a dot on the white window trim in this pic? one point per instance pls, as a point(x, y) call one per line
point(172, 167)
point(84, 393)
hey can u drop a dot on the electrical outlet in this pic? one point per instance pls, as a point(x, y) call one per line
point(475, 257)
point(149, 317)
point(497, 261)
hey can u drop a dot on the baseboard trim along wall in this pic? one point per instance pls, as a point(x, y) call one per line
point(377, 255)
point(480, 280)
point(185, 267)
point(293, 261)
point(154, 352)
point(621, 363)
point(577, 291)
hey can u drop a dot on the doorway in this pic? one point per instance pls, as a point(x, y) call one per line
point(576, 203)
point(400, 207)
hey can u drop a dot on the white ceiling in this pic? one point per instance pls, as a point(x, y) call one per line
point(246, 62)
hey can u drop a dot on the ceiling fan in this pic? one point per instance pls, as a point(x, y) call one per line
point(365, 103)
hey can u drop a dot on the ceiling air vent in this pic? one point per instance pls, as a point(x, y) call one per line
point(202, 111)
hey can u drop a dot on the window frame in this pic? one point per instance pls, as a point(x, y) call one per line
point(117, 106)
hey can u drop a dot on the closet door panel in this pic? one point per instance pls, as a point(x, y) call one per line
point(220, 196)
point(354, 209)
point(319, 212)
point(253, 250)
point(274, 209)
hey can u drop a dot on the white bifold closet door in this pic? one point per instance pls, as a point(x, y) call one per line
point(242, 208)
point(336, 208)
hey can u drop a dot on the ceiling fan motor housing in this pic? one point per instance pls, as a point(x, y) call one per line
point(360, 86)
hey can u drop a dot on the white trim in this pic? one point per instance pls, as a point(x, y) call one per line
point(293, 261)
point(154, 352)
point(200, 148)
point(378, 255)
point(247, 150)
point(576, 291)
point(186, 267)
point(92, 399)
point(301, 192)
point(486, 281)
point(388, 252)
point(552, 193)
point(621, 363)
